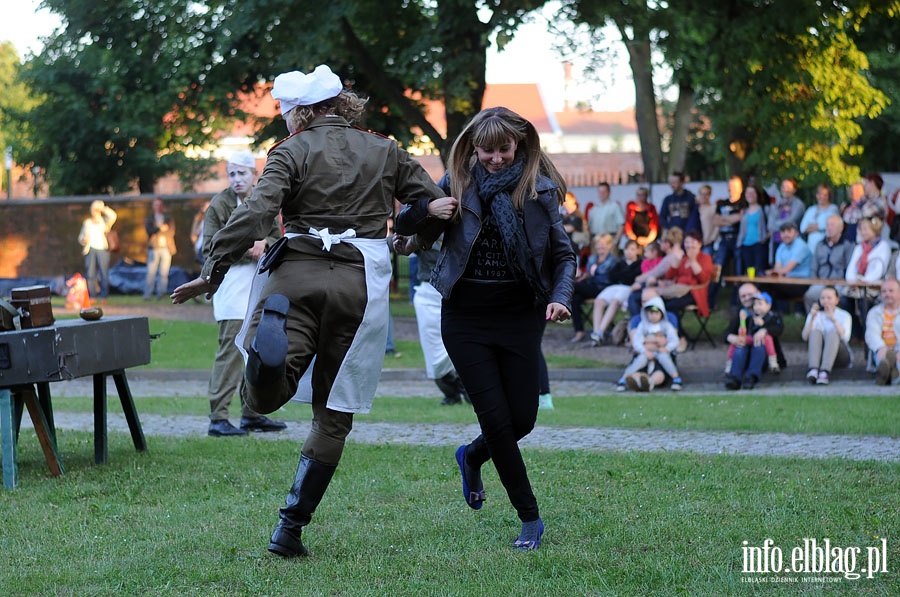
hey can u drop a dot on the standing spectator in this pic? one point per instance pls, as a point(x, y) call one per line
point(95, 248)
point(679, 208)
point(160, 249)
point(813, 223)
point(792, 260)
point(707, 213)
point(827, 330)
point(851, 212)
point(197, 232)
point(606, 216)
point(753, 233)
point(573, 222)
point(595, 279)
point(230, 303)
point(727, 219)
point(641, 218)
point(494, 316)
point(787, 208)
point(326, 295)
point(830, 259)
point(750, 358)
point(875, 203)
point(882, 331)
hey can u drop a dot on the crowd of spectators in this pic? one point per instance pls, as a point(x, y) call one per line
point(677, 255)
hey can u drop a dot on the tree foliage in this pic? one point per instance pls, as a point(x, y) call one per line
point(783, 88)
point(125, 94)
point(15, 101)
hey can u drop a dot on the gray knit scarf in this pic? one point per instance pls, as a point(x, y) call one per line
point(494, 190)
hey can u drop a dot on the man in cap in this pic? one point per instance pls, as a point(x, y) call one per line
point(230, 303)
point(326, 296)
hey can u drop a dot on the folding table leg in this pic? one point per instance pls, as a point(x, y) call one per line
point(7, 428)
point(100, 443)
point(131, 415)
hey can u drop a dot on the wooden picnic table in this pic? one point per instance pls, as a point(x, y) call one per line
point(798, 281)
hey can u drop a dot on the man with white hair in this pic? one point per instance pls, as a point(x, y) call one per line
point(230, 303)
point(326, 296)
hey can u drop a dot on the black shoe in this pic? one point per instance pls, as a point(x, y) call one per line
point(261, 424)
point(733, 383)
point(749, 382)
point(450, 400)
point(224, 428)
point(265, 362)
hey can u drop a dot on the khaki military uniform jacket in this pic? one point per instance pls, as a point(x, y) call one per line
point(220, 209)
point(330, 175)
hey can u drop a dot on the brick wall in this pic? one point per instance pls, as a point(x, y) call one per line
point(39, 237)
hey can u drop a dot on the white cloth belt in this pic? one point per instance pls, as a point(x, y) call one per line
point(329, 239)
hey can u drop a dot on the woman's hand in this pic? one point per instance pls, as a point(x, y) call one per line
point(443, 208)
point(404, 245)
point(195, 287)
point(557, 312)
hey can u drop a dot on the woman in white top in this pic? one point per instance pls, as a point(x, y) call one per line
point(95, 247)
point(870, 258)
point(827, 330)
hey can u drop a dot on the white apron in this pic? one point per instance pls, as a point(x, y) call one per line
point(427, 302)
point(357, 379)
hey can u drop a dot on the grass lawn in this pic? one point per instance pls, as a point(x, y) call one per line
point(192, 517)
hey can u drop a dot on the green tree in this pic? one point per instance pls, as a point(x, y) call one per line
point(125, 95)
point(782, 87)
point(15, 101)
point(399, 54)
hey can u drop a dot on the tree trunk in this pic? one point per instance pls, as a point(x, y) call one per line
point(645, 106)
point(681, 128)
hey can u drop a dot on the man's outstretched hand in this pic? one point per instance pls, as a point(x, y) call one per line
point(195, 287)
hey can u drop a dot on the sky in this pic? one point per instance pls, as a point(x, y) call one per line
point(528, 58)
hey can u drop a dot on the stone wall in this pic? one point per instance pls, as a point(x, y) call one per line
point(39, 237)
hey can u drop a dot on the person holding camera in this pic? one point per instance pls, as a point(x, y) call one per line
point(827, 330)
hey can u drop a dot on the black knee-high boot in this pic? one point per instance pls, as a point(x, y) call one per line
point(449, 385)
point(310, 483)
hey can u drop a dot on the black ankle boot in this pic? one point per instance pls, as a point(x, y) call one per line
point(310, 483)
point(449, 385)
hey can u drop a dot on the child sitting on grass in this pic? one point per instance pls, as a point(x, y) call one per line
point(654, 340)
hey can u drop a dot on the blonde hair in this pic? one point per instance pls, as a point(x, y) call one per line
point(346, 104)
point(493, 127)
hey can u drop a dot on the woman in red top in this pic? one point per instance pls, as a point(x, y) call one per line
point(641, 219)
point(695, 269)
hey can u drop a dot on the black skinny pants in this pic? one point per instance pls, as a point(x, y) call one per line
point(497, 354)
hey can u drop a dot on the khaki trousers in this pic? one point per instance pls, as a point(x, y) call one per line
point(227, 377)
point(827, 351)
point(328, 299)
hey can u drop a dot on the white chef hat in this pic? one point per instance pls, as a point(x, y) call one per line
point(297, 89)
point(244, 158)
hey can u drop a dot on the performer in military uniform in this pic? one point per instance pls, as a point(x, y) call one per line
point(323, 311)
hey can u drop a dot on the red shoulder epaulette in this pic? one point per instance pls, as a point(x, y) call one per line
point(371, 132)
point(277, 143)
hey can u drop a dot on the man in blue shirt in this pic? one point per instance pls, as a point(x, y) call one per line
point(679, 208)
point(792, 260)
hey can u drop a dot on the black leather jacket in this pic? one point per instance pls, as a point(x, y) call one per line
point(547, 239)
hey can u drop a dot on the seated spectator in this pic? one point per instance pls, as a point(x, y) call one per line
point(792, 260)
point(670, 245)
point(614, 296)
point(812, 226)
point(594, 279)
point(830, 258)
point(882, 331)
point(654, 341)
point(827, 330)
point(759, 315)
point(753, 233)
point(694, 270)
point(869, 260)
point(641, 218)
point(749, 359)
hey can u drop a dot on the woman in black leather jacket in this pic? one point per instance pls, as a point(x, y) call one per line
point(506, 268)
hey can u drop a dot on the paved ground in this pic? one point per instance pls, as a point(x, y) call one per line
point(701, 369)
